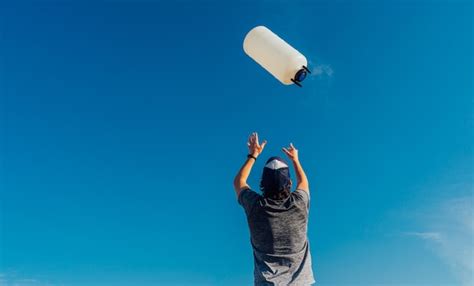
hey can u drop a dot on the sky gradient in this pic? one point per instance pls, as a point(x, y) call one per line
point(123, 124)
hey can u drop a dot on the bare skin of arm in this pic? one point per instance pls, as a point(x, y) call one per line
point(255, 148)
point(301, 179)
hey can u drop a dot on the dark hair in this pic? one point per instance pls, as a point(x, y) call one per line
point(276, 195)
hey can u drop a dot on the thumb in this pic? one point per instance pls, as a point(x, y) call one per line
point(263, 144)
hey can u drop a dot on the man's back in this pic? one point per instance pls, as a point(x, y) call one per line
point(278, 230)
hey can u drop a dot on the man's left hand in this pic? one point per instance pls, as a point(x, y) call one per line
point(255, 148)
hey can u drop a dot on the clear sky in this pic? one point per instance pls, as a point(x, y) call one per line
point(123, 124)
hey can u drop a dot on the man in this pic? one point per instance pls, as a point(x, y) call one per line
point(277, 219)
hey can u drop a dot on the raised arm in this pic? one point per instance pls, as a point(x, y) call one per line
point(301, 179)
point(240, 180)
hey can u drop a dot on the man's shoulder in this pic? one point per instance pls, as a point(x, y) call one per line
point(248, 193)
point(248, 198)
point(300, 194)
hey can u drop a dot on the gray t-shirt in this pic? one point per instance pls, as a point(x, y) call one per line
point(278, 233)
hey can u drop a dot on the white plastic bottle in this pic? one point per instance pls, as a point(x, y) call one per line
point(275, 55)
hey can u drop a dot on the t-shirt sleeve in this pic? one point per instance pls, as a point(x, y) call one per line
point(247, 199)
point(302, 196)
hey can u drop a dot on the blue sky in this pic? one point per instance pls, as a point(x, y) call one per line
point(123, 124)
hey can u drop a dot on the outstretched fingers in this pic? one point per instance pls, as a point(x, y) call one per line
point(252, 138)
point(253, 142)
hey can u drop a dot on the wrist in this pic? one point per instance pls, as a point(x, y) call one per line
point(252, 156)
point(254, 153)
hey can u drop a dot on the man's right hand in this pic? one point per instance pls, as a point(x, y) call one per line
point(291, 152)
point(301, 180)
